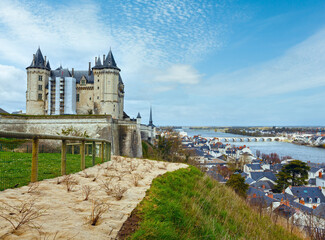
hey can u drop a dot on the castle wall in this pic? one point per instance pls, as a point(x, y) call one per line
point(86, 99)
point(125, 136)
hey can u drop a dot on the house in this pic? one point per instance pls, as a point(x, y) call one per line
point(253, 168)
point(263, 176)
point(314, 172)
point(309, 196)
point(258, 197)
point(320, 180)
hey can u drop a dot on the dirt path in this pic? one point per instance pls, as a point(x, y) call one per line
point(66, 215)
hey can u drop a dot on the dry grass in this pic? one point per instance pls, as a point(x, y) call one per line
point(107, 186)
point(135, 179)
point(97, 210)
point(86, 190)
point(22, 214)
point(33, 187)
point(70, 182)
point(118, 192)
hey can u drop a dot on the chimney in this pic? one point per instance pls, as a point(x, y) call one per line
point(95, 61)
point(320, 188)
point(72, 72)
point(45, 61)
point(34, 59)
point(320, 174)
point(270, 195)
point(89, 68)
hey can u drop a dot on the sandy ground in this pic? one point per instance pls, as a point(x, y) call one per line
point(66, 215)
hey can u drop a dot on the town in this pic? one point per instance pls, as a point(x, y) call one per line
point(260, 172)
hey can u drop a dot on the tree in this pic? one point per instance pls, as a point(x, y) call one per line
point(295, 174)
point(237, 182)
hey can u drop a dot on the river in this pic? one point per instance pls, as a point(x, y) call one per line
point(303, 153)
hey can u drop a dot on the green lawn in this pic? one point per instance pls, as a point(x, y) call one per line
point(186, 204)
point(15, 168)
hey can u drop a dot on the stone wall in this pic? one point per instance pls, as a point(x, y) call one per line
point(124, 135)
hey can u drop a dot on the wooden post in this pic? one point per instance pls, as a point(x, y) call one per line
point(87, 149)
point(34, 172)
point(82, 153)
point(63, 157)
point(72, 149)
point(93, 150)
point(102, 152)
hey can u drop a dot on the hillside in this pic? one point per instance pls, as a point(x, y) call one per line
point(186, 204)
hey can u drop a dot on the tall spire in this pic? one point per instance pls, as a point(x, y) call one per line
point(150, 119)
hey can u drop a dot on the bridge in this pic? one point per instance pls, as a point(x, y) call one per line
point(246, 139)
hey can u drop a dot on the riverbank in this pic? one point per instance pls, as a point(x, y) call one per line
point(285, 148)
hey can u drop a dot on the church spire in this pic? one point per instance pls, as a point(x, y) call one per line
point(150, 119)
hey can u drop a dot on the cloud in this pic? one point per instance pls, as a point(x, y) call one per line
point(179, 73)
point(12, 88)
point(300, 68)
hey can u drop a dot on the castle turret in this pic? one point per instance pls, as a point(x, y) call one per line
point(139, 119)
point(108, 89)
point(37, 78)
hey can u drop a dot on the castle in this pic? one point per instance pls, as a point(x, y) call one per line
point(98, 90)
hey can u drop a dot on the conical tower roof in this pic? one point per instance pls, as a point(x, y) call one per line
point(38, 61)
point(98, 64)
point(109, 62)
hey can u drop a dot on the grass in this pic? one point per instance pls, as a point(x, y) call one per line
point(186, 204)
point(15, 168)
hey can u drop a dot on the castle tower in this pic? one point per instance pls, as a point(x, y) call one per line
point(37, 79)
point(108, 88)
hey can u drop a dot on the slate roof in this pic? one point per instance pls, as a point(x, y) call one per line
point(251, 191)
point(320, 210)
point(284, 196)
point(254, 166)
point(312, 181)
point(314, 169)
point(302, 207)
point(216, 176)
point(267, 184)
point(285, 211)
point(258, 175)
point(108, 62)
point(39, 61)
point(307, 193)
point(2, 111)
point(249, 181)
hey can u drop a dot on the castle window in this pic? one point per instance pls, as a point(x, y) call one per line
point(97, 80)
point(40, 87)
point(39, 97)
point(97, 87)
point(77, 97)
point(97, 97)
point(40, 78)
point(90, 98)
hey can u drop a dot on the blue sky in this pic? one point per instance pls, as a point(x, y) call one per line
point(196, 62)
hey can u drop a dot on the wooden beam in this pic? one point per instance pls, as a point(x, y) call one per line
point(82, 153)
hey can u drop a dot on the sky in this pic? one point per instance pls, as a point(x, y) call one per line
point(196, 62)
